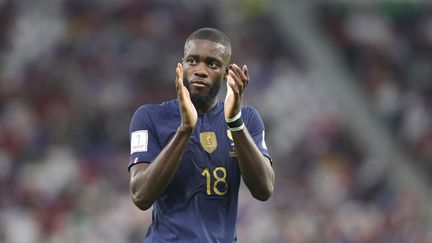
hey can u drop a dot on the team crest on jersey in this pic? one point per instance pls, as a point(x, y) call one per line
point(208, 141)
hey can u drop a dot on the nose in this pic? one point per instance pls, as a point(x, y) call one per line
point(201, 70)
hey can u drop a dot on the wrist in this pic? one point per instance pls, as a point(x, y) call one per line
point(235, 123)
point(186, 130)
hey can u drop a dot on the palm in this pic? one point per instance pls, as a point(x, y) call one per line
point(237, 79)
point(230, 108)
point(187, 109)
point(189, 113)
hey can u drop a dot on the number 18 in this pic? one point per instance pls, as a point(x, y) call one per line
point(218, 179)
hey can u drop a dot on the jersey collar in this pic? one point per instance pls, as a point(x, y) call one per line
point(215, 110)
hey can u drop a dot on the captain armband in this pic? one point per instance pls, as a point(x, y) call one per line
point(235, 123)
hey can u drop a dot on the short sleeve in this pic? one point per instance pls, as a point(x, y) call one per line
point(144, 144)
point(256, 128)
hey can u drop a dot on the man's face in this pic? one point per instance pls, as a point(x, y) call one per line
point(204, 67)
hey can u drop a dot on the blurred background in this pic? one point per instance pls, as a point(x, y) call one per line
point(344, 89)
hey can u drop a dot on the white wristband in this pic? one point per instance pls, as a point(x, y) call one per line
point(235, 129)
point(236, 123)
point(234, 118)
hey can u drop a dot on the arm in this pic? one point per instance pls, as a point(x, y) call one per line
point(255, 168)
point(148, 181)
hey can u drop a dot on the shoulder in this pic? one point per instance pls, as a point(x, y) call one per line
point(167, 107)
point(251, 117)
point(153, 114)
point(249, 111)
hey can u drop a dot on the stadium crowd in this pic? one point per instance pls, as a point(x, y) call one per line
point(388, 48)
point(74, 71)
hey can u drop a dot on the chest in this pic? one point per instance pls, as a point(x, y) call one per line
point(209, 163)
point(210, 144)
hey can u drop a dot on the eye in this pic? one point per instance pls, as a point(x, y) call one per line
point(191, 61)
point(213, 65)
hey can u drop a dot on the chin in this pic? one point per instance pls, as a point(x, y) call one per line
point(199, 99)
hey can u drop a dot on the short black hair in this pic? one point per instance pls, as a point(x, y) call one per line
point(211, 34)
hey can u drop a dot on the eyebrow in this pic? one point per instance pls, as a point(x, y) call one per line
point(208, 59)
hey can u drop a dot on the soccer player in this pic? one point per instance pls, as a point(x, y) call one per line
point(188, 155)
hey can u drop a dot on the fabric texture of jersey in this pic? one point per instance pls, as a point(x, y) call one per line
point(200, 203)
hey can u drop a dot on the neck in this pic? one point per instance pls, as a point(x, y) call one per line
point(204, 107)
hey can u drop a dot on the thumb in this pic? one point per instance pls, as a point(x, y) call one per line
point(229, 89)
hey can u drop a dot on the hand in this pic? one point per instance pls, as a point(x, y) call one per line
point(187, 109)
point(237, 79)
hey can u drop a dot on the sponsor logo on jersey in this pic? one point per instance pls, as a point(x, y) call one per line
point(232, 153)
point(229, 134)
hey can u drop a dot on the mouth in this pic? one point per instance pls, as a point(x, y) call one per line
point(199, 83)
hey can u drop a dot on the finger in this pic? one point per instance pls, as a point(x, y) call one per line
point(245, 71)
point(242, 79)
point(229, 89)
point(181, 90)
point(179, 78)
point(237, 83)
point(239, 73)
point(179, 73)
point(230, 83)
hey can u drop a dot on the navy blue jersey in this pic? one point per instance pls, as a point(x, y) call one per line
point(200, 203)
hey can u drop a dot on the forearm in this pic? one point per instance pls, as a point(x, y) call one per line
point(147, 185)
point(255, 168)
